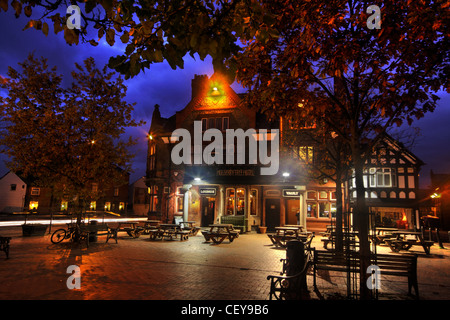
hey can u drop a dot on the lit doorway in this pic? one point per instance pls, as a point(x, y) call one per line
point(208, 210)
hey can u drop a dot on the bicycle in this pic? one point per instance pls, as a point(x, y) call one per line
point(62, 234)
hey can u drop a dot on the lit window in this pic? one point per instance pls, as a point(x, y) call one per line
point(107, 206)
point(253, 202)
point(311, 210)
point(230, 202)
point(323, 195)
point(240, 201)
point(324, 209)
point(34, 205)
point(93, 205)
point(304, 153)
point(64, 205)
point(180, 203)
point(121, 206)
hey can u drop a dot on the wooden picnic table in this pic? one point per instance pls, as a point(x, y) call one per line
point(298, 226)
point(168, 231)
point(151, 225)
point(131, 228)
point(190, 226)
point(405, 239)
point(382, 233)
point(285, 234)
point(219, 232)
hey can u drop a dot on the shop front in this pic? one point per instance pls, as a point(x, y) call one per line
point(215, 192)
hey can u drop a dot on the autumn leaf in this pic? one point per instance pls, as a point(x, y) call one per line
point(45, 28)
point(110, 36)
point(4, 5)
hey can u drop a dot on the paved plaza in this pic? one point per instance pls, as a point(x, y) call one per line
point(141, 269)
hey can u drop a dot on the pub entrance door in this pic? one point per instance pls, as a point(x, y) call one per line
point(208, 209)
point(272, 213)
point(292, 209)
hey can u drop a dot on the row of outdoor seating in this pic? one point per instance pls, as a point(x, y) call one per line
point(285, 287)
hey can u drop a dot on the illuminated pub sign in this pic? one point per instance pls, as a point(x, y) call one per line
point(208, 191)
point(293, 193)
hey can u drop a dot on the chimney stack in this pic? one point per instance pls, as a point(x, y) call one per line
point(198, 84)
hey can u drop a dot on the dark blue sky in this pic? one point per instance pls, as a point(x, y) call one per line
point(171, 90)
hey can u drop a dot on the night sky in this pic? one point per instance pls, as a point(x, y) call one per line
point(171, 90)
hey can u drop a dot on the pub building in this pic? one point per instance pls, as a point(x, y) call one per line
point(196, 189)
point(204, 193)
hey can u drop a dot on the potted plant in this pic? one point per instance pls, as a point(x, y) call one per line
point(262, 229)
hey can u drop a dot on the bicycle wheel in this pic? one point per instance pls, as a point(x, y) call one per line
point(58, 236)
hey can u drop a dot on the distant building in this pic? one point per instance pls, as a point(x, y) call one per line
point(139, 198)
point(20, 194)
point(12, 193)
point(391, 179)
point(438, 198)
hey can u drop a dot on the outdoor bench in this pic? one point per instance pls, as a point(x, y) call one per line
point(184, 234)
point(169, 232)
point(99, 230)
point(217, 235)
point(4, 245)
point(290, 287)
point(397, 244)
point(389, 264)
point(237, 222)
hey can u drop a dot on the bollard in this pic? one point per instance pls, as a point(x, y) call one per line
point(295, 261)
point(93, 235)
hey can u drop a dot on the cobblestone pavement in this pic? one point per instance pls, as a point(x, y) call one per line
point(140, 269)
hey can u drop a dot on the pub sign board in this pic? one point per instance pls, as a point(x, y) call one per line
point(208, 191)
point(291, 193)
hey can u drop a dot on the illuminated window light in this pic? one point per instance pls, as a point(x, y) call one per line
point(215, 91)
point(285, 174)
point(197, 179)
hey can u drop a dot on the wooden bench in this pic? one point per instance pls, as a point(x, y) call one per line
point(184, 234)
point(347, 240)
point(4, 245)
point(156, 234)
point(238, 222)
point(398, 244)
point(99, 230)
point(290, 287)
point(389, 264)
point(218, 237)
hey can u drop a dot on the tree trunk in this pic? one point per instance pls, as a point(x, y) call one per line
point(339, 213)
point(361, 215)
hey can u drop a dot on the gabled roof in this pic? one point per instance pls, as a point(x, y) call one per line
point(397, 146)
point(203, 97)
point(18, 176)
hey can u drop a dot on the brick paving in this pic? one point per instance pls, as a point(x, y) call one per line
point(140, 269)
